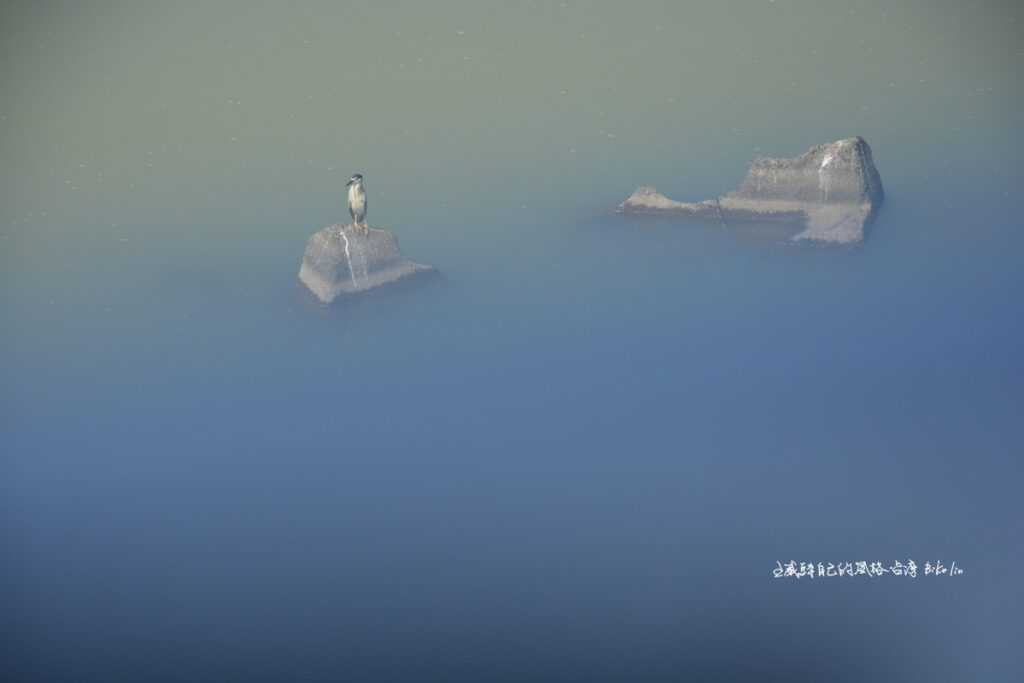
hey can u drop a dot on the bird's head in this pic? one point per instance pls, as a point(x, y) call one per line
point(356, 179)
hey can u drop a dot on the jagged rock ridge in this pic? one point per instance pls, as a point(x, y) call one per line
point(832, 191)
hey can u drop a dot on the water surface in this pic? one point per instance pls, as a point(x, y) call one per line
point(579, 455)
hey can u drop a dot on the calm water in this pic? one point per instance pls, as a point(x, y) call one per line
point(580, 453)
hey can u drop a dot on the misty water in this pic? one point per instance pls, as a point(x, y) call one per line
point(578, 453)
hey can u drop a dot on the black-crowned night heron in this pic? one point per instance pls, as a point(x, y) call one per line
point(357, 202)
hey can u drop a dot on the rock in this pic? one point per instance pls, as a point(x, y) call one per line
point(831, 191)
point(342, 260)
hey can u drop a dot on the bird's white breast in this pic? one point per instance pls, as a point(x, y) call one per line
point(356, 198)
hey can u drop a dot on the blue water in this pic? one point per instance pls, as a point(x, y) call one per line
point(577, 455)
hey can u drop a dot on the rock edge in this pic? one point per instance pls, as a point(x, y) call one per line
point(342, 260)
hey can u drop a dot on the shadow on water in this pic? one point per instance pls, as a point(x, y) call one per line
point(374, 299)
point(749, 234)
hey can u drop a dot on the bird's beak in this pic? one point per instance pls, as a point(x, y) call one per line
point(349, 183)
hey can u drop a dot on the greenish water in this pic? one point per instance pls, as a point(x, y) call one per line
point(579, 455)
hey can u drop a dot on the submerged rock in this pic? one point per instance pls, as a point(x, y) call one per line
point(832, 192)
point(341, 259)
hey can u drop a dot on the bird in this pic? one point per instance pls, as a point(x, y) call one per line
point(357, 202)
